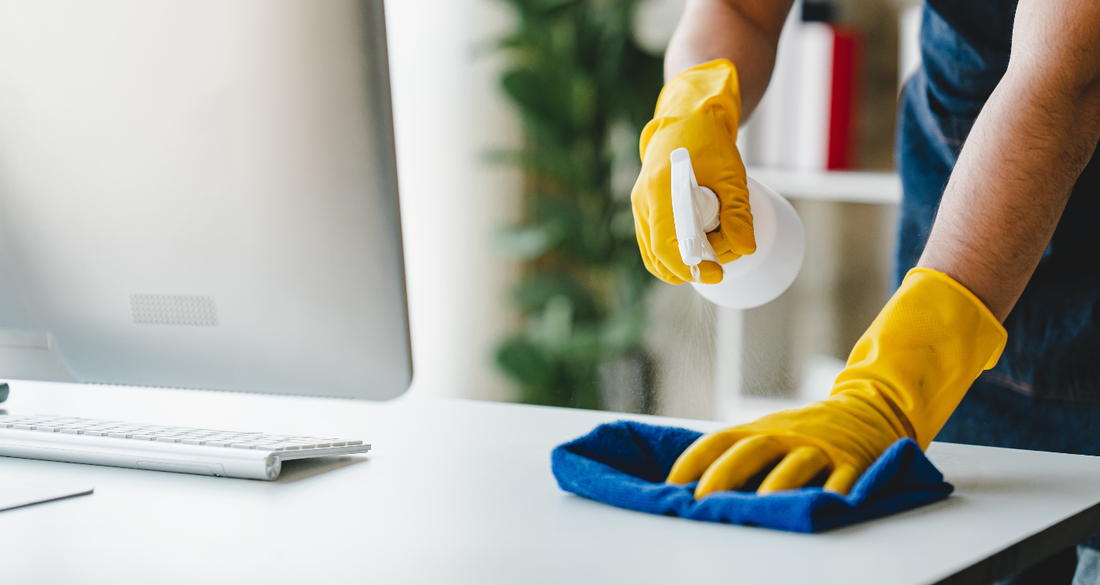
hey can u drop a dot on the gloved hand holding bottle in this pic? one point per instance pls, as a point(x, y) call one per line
point(904, 378)
point(700, 110)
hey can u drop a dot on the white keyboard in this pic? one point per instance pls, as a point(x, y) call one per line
point(161, 448)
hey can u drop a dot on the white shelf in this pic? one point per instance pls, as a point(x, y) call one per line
point(844, 186)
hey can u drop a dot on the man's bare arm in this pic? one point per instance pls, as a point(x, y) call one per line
point(1031, 141)
point(744, 31)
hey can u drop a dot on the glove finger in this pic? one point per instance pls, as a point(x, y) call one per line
point(641, 231)
point(842, 479)
point(667, 250)
point(710, 272)
point(796, 470)
point(664, 273)
point(663, 243)
point(735, 226)
point(721, 247)
point(737, 465)
point(695, 460)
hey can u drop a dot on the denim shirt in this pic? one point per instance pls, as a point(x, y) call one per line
point(1053, 347)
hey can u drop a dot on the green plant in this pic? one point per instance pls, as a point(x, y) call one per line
point(584, 89)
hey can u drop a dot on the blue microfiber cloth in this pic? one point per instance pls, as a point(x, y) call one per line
point(625, 464)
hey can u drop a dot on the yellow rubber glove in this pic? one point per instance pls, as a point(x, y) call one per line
point(699, 109)
point(905, 376)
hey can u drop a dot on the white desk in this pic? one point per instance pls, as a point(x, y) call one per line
point(461, 492)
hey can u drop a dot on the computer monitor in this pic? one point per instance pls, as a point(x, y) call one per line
point(200, 194)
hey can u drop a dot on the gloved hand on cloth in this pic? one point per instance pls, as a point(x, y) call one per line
point(904, 378)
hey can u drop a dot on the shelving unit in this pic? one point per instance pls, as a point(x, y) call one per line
point(842, 186)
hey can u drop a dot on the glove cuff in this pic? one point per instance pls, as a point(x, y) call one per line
point(922, 353)
point(691, 89)
point(998, 336)
point(712, 85)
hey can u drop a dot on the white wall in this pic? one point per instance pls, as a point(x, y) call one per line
point(448, 111)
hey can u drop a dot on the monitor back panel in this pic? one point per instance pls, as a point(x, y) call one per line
point(200, 194)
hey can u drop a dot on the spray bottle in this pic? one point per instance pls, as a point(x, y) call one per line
point(752, 280)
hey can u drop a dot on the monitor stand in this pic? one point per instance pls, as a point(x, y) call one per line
point(31, 355)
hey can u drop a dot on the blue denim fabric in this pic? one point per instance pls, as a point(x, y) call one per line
point(1054, 331)
point(1044, 394)
point(1088, 566)
point(964, 49)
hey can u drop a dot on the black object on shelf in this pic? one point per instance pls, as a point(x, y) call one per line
point(818, 11)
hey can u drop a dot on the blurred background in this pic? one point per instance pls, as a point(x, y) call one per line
point(517, 124)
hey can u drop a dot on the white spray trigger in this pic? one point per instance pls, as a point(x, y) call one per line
point(694, 211)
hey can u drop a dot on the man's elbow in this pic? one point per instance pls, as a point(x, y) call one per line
point(1055, 48)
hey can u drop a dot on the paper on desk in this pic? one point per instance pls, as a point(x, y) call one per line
point(15, 494)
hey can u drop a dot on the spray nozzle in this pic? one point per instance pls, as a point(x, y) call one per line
point(753, 279)
point(694, 213)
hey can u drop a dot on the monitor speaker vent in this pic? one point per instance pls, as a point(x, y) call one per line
point(174, 310)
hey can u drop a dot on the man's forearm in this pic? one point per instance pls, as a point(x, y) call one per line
point(1030, 143)
point(744, 31)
